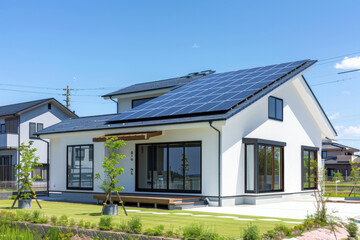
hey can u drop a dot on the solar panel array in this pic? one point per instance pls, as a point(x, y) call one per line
point(213, 93)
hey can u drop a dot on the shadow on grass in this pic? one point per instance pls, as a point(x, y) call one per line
point(90, 214)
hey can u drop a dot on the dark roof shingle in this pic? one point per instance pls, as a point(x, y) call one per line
point(19, 107)
point(154, 85)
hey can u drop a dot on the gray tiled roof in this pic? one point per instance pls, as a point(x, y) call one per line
point(327, 145)
point(167, 83)
point(19, 107)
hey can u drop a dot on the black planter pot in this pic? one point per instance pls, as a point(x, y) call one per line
point(111, 209)
point(24, 203)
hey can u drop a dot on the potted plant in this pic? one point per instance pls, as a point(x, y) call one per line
point(28, 161)
point(111, 175)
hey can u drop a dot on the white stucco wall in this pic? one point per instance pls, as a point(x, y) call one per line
point(176, 133)
point(43, 115)
point(297, 128)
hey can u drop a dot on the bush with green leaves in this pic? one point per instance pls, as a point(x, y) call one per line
point(193, 231)
point(352, 228)
point(251, 232)
point(135, 225)
point(72, 222)
point(106, 223)
point(155, 231)
point(54, 220)
point(28, 161)
point(81, 223)
point(39, 217)
point(111, 170)
point(63, 220)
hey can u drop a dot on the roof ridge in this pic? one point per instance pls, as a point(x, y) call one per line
point(39, 100)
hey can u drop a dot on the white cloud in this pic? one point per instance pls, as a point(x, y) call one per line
point(339, 128)
point(352, 131)
point(349, 63)
point(195, 45)
point(334, 116)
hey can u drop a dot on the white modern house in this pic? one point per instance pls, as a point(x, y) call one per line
point(18, 123)
point(238, 137)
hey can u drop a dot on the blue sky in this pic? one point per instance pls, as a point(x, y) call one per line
point(100, 46)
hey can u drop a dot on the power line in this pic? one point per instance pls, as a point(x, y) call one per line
point(330, 82)
point(25, 91)
point(345, 55)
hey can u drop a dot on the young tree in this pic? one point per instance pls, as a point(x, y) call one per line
point(355, 175)
point(111, 171)
point(28, 161)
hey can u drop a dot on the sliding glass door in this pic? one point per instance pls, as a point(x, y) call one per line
point(169, 167)
point(264, 165)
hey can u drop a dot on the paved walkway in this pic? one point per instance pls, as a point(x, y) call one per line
point(295, 209)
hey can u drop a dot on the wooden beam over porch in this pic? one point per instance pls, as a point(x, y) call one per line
point(129, 136)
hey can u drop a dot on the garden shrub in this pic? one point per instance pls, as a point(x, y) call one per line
point(352, 228)
point(81, 223)
point(72, 222)
point(251, 233)
point(155, 231)
point(284, 229)
point(135, 225)
point(63, 220)
point(121, 227)
point(210, 235)
point(93, 226)
point(193, 231)
point(87, 224)
point(105, 223)
point(54, 220)
point(39, 217)
point(25, 216)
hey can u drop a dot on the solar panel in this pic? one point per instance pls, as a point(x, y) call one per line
point(210, 94)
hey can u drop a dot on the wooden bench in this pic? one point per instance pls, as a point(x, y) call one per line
point(169, 201)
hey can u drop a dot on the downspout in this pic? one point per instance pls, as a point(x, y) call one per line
point(117, 107)
point(219, 163)
point(47, 166)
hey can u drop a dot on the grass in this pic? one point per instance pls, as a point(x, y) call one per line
point(91, 212)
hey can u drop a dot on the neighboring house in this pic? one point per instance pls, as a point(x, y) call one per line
point(18, 123)
point(235, 138)
point(338, 157)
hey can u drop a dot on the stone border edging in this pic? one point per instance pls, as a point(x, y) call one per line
point(42, 229)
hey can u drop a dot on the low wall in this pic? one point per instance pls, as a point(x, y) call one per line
point(42, 229)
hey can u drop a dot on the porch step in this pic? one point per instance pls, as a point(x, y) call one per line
point(187, 205)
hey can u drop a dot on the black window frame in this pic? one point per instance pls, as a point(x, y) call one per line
point(2, 128)
point(137, 189)
point(32, 136)
point(275, 108)
point(37, 126)
point(67, 168)
point(309, 149)
point(257, 142)
point(134, 100)
point(49, 106)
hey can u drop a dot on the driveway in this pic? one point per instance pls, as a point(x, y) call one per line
point(296, 209)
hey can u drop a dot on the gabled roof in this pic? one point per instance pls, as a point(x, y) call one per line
point(216, 93)
point(18, 108)
point(161, 84)
point(107, 121)
point(331, 145)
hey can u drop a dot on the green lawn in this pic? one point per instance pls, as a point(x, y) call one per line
point(171, 220)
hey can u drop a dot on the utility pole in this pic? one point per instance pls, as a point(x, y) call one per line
point(67, 94)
